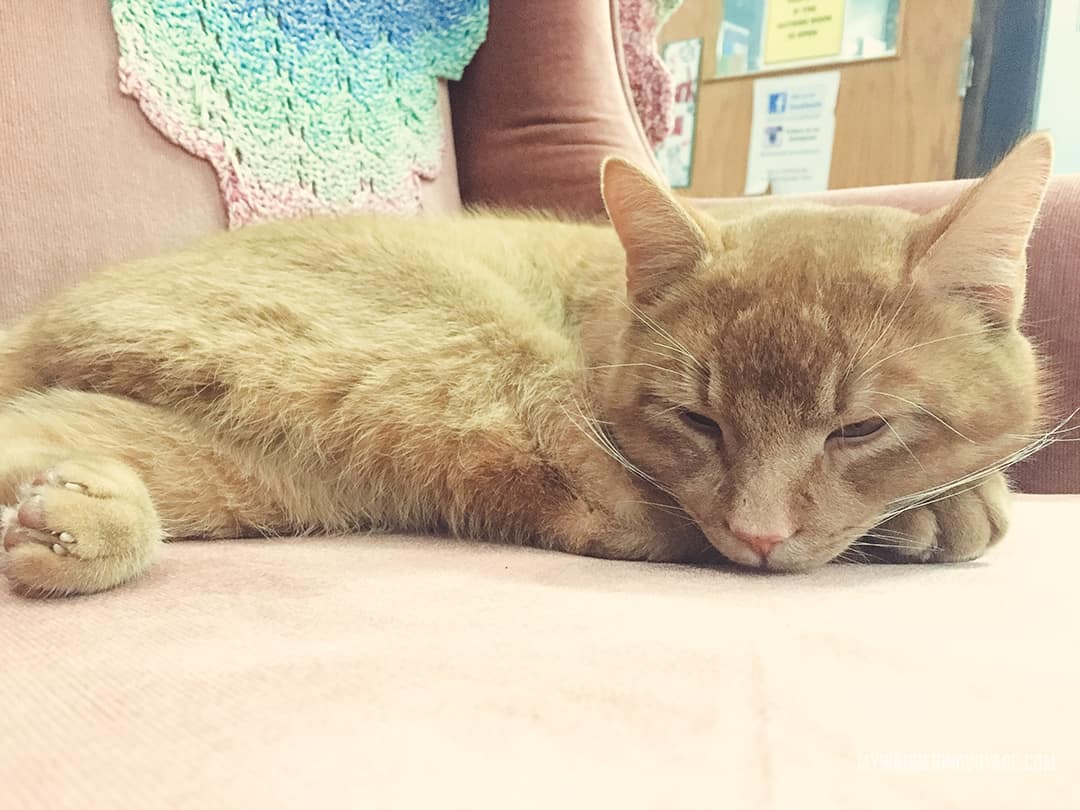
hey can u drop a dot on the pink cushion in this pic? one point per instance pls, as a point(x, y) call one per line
point(543, 102)
point(405, 673)
point(84, 178)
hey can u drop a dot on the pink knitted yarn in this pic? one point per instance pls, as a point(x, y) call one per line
point(249, 199)
point(639, 24)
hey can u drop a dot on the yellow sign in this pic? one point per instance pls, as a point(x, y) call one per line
point(803, 29)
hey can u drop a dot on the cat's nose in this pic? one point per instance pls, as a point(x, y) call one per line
point(763, 544)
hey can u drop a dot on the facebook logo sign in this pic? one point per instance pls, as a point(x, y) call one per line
point(777, 103)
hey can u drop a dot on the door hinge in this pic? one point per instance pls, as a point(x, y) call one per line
point(967, 68)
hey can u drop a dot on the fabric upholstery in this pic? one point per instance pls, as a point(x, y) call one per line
point(545, 99)
point(416, 673)
point(84, 178)
point(400, 672)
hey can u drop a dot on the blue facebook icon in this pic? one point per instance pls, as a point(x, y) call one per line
point(777, 103)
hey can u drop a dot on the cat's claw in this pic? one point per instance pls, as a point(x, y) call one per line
point(53, 478)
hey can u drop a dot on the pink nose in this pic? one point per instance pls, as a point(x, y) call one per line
point(761, 543)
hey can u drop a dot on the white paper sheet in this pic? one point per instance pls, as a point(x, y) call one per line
point(791, 137)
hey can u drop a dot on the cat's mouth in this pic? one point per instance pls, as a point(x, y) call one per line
point(799, 553)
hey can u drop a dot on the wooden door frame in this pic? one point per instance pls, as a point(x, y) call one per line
point(1007, 43)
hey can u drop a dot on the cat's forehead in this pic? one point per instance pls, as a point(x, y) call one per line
point(828, 243)
point(783, 358)
point(775, 358)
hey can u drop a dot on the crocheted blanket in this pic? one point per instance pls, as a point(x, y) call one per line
point(302, 106)
point(650, 81)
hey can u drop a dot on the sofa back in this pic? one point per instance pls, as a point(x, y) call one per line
point(87, 180)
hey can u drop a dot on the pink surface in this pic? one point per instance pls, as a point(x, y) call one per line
point(535, 138)
point(85, 179)
point(394, 672)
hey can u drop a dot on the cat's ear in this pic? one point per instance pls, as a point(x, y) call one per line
point(976, 247)
point(662, 241)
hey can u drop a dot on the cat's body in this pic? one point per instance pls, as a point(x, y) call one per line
point(488, 375)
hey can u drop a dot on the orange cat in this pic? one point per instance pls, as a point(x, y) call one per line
point(771, 385)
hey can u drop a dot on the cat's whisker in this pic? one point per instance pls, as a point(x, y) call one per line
point(1054, 433)
point(673, 355)
point(893, 546)
point(900, 439)
point(597, 436)
point(885, 533)
point(674, 358)
point(638, 365)
point(862, 338)
point(889, 325)
point(925, 410)
point(686, 362)
point(895, 538)
point(972, 480)
point(925, 343)
point(854, 555)
point(666, 411)
point(674, 511)
point(663, 333)
point(937, 497)
point(673, 507)
point(897, 546)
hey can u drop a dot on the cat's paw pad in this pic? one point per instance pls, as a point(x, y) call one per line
point(956, 528)
point(26, 523)
point(77, 528)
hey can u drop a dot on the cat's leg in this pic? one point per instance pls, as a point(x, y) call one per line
point(955, 528)
point(565, 492)
point(91, 484)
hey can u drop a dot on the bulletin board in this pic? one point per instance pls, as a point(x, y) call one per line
point(764, 36)
point(897, 118)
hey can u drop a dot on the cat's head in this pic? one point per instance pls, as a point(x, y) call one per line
point(790, 373)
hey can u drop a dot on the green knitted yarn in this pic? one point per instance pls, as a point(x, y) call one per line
point(302, 106)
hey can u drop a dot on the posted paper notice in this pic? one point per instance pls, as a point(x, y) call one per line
point(797, 30)
point(791, 137)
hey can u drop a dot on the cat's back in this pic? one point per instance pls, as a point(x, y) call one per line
point(318, 294)
point(345, 272)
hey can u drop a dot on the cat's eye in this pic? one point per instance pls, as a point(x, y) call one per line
point(700, 422)
point(859, 430)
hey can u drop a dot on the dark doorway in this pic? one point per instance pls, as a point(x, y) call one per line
point(1007, 38)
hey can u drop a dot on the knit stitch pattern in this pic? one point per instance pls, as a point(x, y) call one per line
point(302, 106)
point(650, 81)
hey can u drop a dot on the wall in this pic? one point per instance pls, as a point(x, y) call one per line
point(897, 119)
point(1059, 97)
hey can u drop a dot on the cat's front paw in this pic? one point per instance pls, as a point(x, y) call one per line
point(953, 529)
point(79, 527)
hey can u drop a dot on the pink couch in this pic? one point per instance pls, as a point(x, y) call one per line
point(390, 671)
